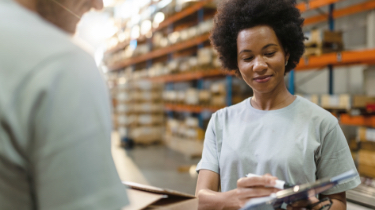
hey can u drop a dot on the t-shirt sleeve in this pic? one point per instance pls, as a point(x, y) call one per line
point(209, 159)
point(71, 160)
point(335, 158)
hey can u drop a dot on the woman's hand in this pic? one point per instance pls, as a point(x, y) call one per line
point(254, 187)
point(208, 186)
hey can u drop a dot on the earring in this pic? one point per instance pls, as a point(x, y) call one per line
point(286, 63)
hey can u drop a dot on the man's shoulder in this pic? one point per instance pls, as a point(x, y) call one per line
point(29, 38)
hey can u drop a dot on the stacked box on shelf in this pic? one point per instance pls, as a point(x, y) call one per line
point(323, 41)
point(140, 111)
point(185, 136)
point(366, 154)
point(312, 97)
point(342, 101)
point(218, 93)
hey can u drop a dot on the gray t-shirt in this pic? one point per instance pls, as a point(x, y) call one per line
point(299, 143)
point(55, 121)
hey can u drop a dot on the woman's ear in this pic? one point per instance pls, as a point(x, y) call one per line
point(287, 56)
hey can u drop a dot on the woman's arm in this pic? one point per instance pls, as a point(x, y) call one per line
point(338, 201)
point(209, 198)
point(208, 185)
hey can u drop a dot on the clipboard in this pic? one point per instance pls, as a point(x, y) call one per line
point(298, 192)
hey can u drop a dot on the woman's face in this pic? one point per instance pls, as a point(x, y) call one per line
point(261, 59)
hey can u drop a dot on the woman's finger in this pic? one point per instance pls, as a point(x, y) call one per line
point(256, 181)
point(247, 193)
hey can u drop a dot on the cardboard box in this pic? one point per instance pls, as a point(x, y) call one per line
point(148, 197)
point(361, 133)
point(219, 100)
point(361, 101)
point(368, 145)
point(366, 170)
point(369, 77)
point(366, 158)
point(336, 101)
point(366, 134)
point(185, 146)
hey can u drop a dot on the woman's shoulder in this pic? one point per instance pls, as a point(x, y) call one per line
point(232, 110)
point(315, 112)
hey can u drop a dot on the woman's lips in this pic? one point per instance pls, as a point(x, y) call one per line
point(263, 79)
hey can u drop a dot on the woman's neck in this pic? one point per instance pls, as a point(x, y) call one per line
point(273, 100)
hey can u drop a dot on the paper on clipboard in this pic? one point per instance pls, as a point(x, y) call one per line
point(298, 192)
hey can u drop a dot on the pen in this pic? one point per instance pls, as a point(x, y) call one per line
point(280, 184)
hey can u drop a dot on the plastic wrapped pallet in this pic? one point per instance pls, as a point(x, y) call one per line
point(124, 108)
point(180, 96)
point(342, 101)
point(219, 100)
point(205, 56)
point(366, 134)
point(149, 108)
point(192, 122)
point(173, 66)
point(360, 101)
point(147, 134)
point(192, 96)
point(204, 96)
point(140, 111)
point(150, 119)
point(369, 83)
point(127, 120)
point(218, 88)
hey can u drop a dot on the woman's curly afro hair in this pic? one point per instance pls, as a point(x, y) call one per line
point(236, 15)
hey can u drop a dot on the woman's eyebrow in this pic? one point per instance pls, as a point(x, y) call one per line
point(268, 45)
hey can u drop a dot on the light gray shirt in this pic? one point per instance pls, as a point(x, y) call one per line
point(54, 120)
point(299, 143)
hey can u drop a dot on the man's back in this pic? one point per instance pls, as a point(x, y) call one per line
point(54, 120)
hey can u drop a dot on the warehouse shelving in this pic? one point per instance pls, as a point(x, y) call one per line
point(360, 120)
point(342, 12)
point(160, 52)
point(331, 60)
point(314, 4)
point(313, 62)
point(180, 15)
point(190, 108)
point(337, 59)
point(167, 22)
point(194, 75)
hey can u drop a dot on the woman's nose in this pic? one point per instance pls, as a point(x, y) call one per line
point(259, 64)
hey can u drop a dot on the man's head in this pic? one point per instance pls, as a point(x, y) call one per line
point(65, 14)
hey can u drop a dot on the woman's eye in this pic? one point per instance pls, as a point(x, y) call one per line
point(248, 59)
point(270, 54)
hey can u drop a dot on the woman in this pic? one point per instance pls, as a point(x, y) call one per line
point(274, 131)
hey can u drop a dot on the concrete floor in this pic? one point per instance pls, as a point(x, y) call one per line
point(158, 166)
point(155, 165)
